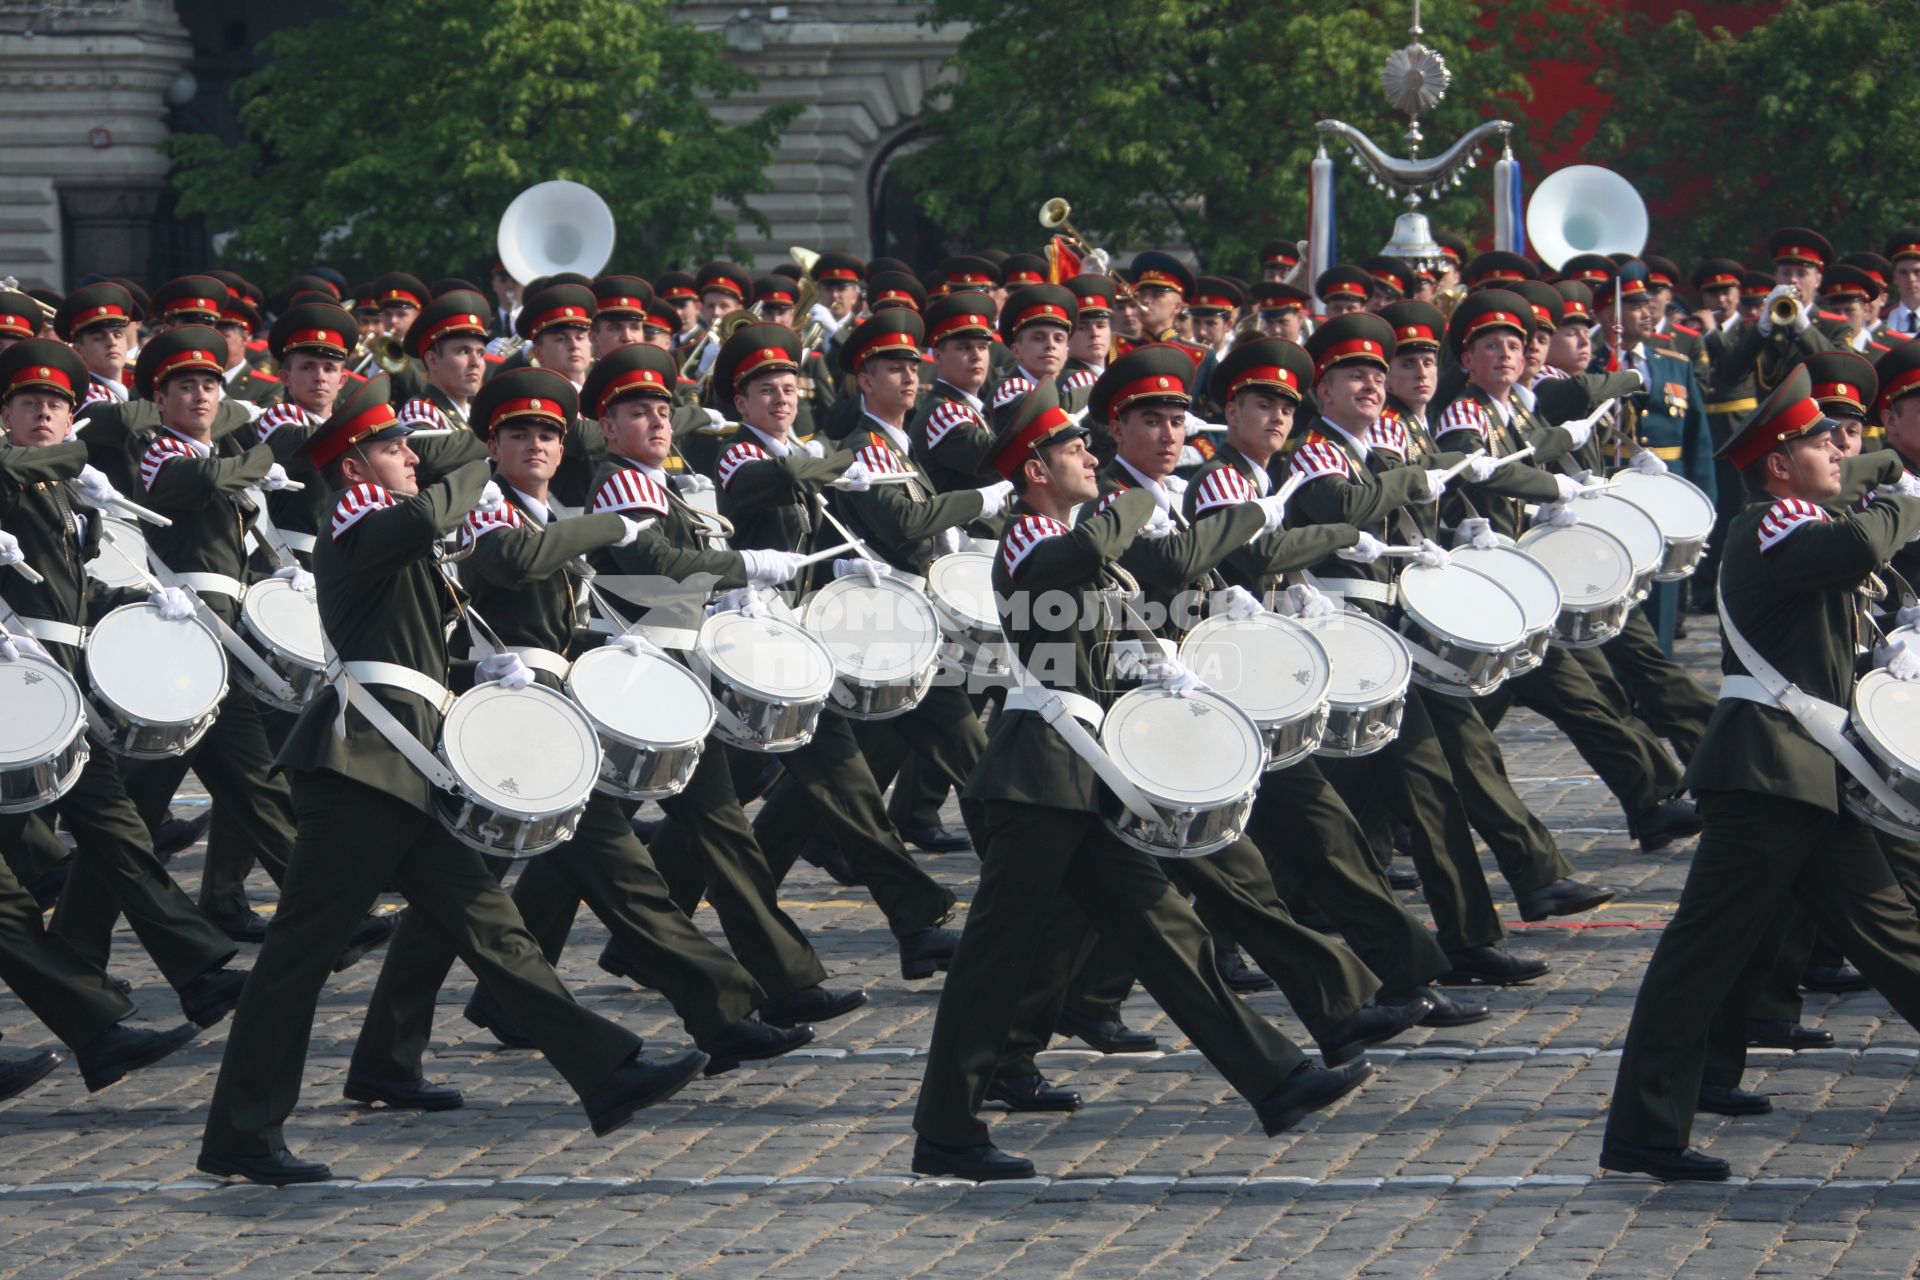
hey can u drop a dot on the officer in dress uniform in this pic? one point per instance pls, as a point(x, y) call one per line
point(366, 818)
point(310, 342)
point(245, 380)
point(98, 322)
point(1047, 853)
point(1769, 789)
point(1035, 324)
point(949, 435)
point(450, 340)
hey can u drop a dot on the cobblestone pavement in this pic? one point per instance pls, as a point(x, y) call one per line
point(1470, 1154)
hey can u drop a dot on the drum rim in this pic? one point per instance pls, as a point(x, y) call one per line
point(933, 585)
point(1397, 644)
point(1511, 555)
point(560, 700)
point(79, 726)
point(935, 639)
point(1870, 683)
point(703, 655)
point(211, 709)
point(1539, 534)
point(648, 744)
point(1660, 536)
point(1203, 632)
point(1256, 741)
point(1704, 504)
point(1412, 610)
point(270, 587)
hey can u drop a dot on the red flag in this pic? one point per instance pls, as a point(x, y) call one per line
point(1063, 264)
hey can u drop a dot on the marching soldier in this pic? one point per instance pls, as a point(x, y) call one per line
point(1769, 788)
point(366, 817)
point(1903, 249)
point(1342, 290)
point(98, 321)
point(1048, 853)
point(450, 340)
point(949, 435)
point(1036, 324)
point(245, 381)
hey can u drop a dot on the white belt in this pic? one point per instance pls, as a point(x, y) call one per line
point(218, 583)
point(539, 659)
point(52, 632)
point(1356, 589)
point(298, 541)
point(395, 676)
point(1024, 697)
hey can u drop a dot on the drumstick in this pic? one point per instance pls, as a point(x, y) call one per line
point(1463, 464)
point(288, 486)
point(1515, 456)
point(828, 554)
point(1288, 489)
point(890, 477)
point(125, 508)
point(27, 571)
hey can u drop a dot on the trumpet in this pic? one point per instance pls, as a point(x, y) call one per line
point(1056, 215)
point(1785, 311)
point(382, 351)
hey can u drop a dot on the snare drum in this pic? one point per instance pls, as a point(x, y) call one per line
point(526, 761)
point(1684, 513)
point(1273, 669)
point(1196, 757)
point(769, 678)
point(1465, 629)
point(1529, 583)
point(1368, 692)
point(122, 562)
point(43, 743)
point(652, 715)
point(284, 625)
point(1636, 531)
point(885, 641)
point(156, 685)
point(1594, 571)
point(960, 585)
point(1885, 725)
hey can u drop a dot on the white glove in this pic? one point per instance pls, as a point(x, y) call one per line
point(855, 479)
point(1436, 483)
point(1304, 600)
point(633, 528)
point(1583, 485)
point(637, 645)
point(874, 569)
point(746, 599)
point(814, 448)
point(9, 651)
point(1432, 554)
point(819, 314)
point(1195, 425)
point(1365, 551)
point(10, 552)
point(1557, 515)
point(1898, 660)
point(1907, 486)
point(1172, 675)
point(693, 482)
point(1480, 470)
point(174, 604)
point(1648, 463)
point(300, 578)
point(765, 566)
point(1096, 263)
point(1907, 616)
point(1800, 318)
point(1237, 603)
point(994, 498)
point(491, 499)
point(1159, 525)
point(94, 486)
point(275, 479)
point(715, 418)
point(1175, 484)
point(1276, 508)
point(1476, 532)
point(507, 669)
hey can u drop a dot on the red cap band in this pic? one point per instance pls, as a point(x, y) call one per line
point(1788, 423)
point(543, 407)
point(560, 315)
point(202, 306)
point(1365, 348)
point(1346, 289)
point(777, 295)
point(1799, 252)
point(886, 344)
point(1720, 281)
point(100, 315)
point(331, 339)
point(10, 323)
point(761, 360)
point(393, 295)
point(604, 305)
point(682, 292)
point(464, 323)
point(1490, 320)
point(896, 295)
point(1163, 279)
point(1025, 277)
point(1510, 273)
point(1416, 333)
point(726, 284)
point(1899, 384)
point(40, 375)
point(965, 322)
point(969, 278)
point(191, 358)
point(1042, 312)
point(329, 447)
point(631, 380)
point(1153, 387)
point(1010, 459)
point(1209, 302)
point(1844, 391)
point(1095, 304)
point(1264, 375)
point(848, 274)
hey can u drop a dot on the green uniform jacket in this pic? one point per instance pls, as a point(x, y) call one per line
point(112, 430)
point(1790, 576)
point(1175, 571)
point(517, 575)
point(950, 438)
point(207, 500)
point(1341, 487)
point(383, 599)
point(769, 499)
point(674, 554)
point(1058, 611)
point(1500, 499)
point(36, 510)
point(903, 522)
point(1259, 564)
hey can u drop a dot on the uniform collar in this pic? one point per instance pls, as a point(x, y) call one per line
point(973, 401)
point(115, 389)
point(200, 449)
point(655, 474)
point(890, 433)
point(1161, 494)
point(1353, 442)
point(779, 448)
point(539, 510)
point(1261, 478)
point(238, 371)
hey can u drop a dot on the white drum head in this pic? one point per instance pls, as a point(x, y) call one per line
point(1633, 526)
point(642, 698)
point(1194, 750)
point(1886, 714)
point(155, 671)
point(1592, 566)
point(43, 706)
point(963, 584)
point(1462, 605)
point(122, 561)
point(527, 752)
point(877, 634)
point(1369, 660)
point(1525, 579)
point(767, 656)
point(287, 620)
point(1270, 667)
point(1676, 504)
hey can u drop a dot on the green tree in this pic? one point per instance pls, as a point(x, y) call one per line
point(1189, 123)
point(1797, 122)
point(394, 134)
